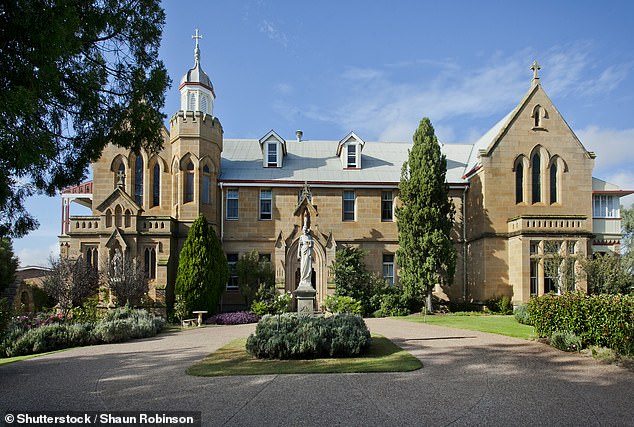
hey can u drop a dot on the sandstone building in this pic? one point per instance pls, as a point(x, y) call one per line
point(526, 182)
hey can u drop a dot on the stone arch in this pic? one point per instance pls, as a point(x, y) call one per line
point(319, 266)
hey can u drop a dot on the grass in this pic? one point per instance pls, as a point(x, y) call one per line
point(7, 360)
point(232, 359)
point(494, 324)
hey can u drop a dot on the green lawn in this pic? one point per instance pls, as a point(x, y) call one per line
point(7, 360)
point(502, 325)
point(232, 359)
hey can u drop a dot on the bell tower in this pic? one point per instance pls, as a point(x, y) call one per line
point(196, 137)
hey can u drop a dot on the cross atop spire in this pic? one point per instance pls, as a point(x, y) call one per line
point(197, 37)
point(535, 67)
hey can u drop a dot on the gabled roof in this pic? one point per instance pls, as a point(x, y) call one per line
point(347, 138)
point(126, 201)
point(491, 138)
point(600, 186)
point(315, 162)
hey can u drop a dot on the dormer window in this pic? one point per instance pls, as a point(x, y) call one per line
point(352, 156)
point(349, 151)
point(273, 150)
point(272, 154)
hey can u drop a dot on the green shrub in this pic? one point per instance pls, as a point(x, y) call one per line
point(267, 302)
point(341, 304)
point(602, 320)
point(291, 336)
point(501, 305)
point(521, 314)
point(124, 323)
point(566, 341)
point(5, 315)
point(49, 338)
point(393, 302)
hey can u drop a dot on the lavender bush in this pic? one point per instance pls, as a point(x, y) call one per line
point(236, 318)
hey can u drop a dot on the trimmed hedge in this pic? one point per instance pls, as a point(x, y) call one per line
point(601, 320)
point(291, 336)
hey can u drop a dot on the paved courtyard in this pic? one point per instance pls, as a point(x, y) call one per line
point(468, 378)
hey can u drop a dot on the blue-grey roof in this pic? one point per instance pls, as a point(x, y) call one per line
point(317, 161)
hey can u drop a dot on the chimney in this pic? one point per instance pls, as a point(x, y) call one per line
point(299, 135)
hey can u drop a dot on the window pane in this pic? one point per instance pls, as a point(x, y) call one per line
point(519, 183)
point(386, 206)
point(138, 180)
point(352, 156)
point(156, 186)
point(232, 260)
point(232, 204)
point(553, 183)
point(534, 269)
point(348, 205)
point(205, 191)
point(272, 158)
point(536, 181)
point(388, 268)
point(266, 202)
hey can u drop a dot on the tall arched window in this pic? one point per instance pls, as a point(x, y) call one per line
point(138, 180)
point(150, 263)
point(156, 185)
point(118, 215)
point(519, 182)
point(553, 183)
point(189, 182)
point(119, 175)
point(536, 115)
point(206, 184)
point(536, 178)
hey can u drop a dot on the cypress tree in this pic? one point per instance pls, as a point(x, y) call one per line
point(202, 268)
point(425, 218)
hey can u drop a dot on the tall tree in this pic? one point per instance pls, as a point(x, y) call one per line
point(73, 76)
point(426, 253)
point(253, 273)
point(8, 263)
point(129, 282)
point(202, 268)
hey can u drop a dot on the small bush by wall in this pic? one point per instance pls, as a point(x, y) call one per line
point(291, 336)
point(566, 341)
point(602, 320)
point(521, 314)
point(342, 304)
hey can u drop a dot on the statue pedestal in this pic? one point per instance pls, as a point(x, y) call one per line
point(305, 295)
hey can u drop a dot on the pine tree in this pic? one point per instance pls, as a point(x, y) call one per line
point(8, 263)
point(425, 218)
point(202, 268)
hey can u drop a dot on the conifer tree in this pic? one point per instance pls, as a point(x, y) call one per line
point(8, 263)
point(426, 253)
point(202, 268)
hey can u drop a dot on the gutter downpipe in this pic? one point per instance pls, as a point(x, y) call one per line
point(222, 213)
point(464, 244)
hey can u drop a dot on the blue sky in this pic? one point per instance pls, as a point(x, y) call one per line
point(377, 67)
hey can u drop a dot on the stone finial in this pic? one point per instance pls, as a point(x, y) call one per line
point(535, 67)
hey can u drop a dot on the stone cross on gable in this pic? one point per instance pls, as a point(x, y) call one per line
point(121, 176)
point(535, 67)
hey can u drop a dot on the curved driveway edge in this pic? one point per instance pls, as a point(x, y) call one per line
point(468, 378)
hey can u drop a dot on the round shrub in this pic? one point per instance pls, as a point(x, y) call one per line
point(292, 336)
point(521, 314)
point(342, 304)
point(49, 338)
point(566, 341)
point(123, 324)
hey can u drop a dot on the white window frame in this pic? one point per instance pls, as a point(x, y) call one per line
point(275, 162)
point(388, 269)
point(354, 205)
point(230, 193)
point(350, 164)
point(232, 272)
point(391, 201)
point(266, 215)
point(605, 206)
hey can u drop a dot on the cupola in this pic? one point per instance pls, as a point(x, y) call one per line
point(197, 92)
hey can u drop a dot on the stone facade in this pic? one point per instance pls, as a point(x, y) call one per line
point(525, 184)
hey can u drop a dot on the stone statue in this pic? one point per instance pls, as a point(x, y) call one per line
point(305, 255)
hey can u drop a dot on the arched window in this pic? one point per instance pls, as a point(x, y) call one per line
point(189, 182)
point(108, 218)
point(536, 115)
point(206, 184)
point(150, 263)
point(119, 175)
point(118, 214)
point(553, 183)
point(128, 218)
point(519, 182)
point(536, 178)
point(138, 180)
point(156, 185)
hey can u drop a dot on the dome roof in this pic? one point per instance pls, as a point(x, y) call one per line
point(196, 75)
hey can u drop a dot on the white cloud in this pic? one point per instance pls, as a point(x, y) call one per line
point(37, 255)
point(374, 102)
point(273, 33)
point(614, 147)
